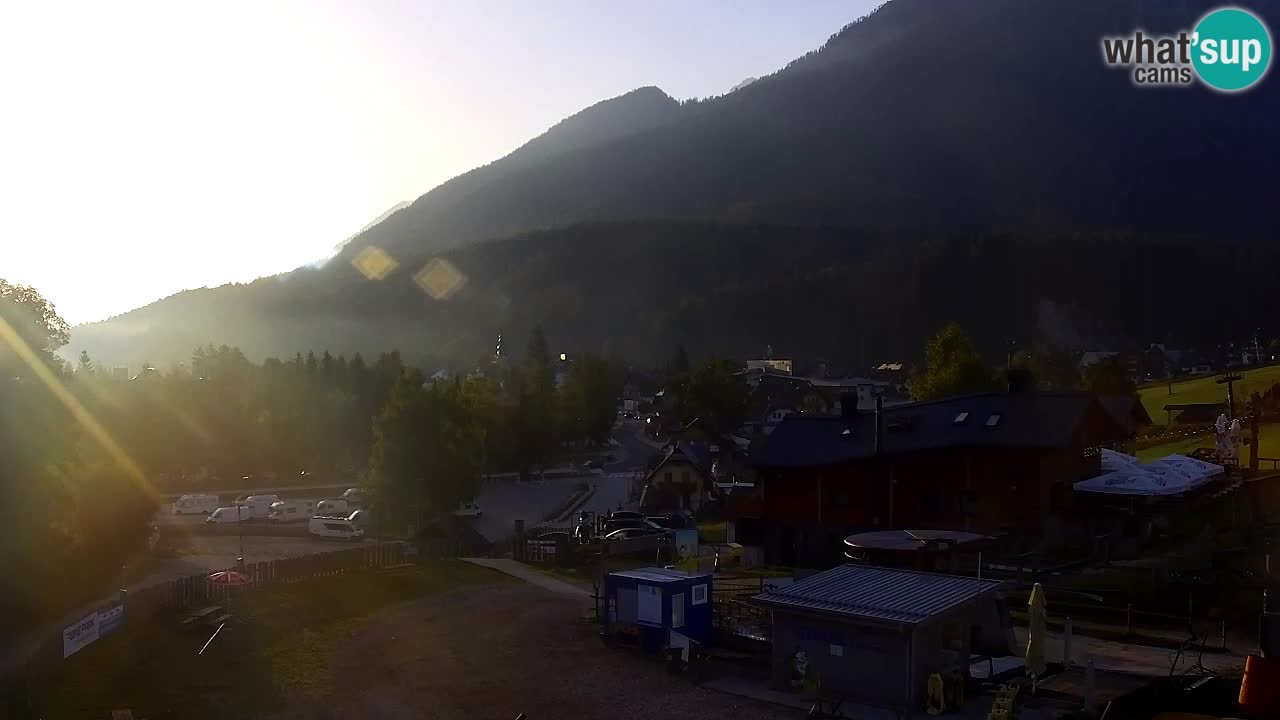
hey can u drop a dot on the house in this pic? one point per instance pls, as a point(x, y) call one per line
point(681, 481)
point(991, 463)
point(1128, 412)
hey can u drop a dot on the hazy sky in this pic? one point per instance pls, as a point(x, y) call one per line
point(149, 147)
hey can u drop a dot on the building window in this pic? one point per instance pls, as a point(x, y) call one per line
point(961, 418)
point(684, 476)
point(666, 476)
point(993, 420)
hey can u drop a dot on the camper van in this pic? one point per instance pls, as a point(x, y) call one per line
point(259, 506)
point(193, 504)
point(356, 497)
point(291, 510)
point(337, 506)
point(229, 514)
point(334, 527)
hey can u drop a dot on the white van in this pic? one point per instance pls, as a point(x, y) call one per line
point(334, 527)
point(260, 505)
point(193, 504)
point(229, 514)
point(291, 510)
point(356, 496)
point(469, 509)
point(337, 506)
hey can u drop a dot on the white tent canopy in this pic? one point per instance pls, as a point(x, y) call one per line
point(1170, 475)
point(1113, 460)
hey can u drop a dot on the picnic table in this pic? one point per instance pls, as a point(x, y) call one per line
point(209, 616)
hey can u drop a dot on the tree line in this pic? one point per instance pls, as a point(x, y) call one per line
point(86, 458)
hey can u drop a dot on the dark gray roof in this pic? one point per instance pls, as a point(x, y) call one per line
point(1045, 420)
point(877, 593)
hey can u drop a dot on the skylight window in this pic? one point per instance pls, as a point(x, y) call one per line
point(993, 420)
point(961, 418)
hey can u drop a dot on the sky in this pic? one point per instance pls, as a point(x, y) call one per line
point(151, 147)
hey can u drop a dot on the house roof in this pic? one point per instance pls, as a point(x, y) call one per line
point(1096, 356)
point(1127, 410)
point(659, 575)
point(1044, 420)
point(697, 454)
point(878, 593)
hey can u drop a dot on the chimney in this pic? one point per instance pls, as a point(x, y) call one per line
point(879, 422)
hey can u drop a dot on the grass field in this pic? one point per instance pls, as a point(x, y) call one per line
point(1205, 390)
point(1268, 439)
point(279, 646)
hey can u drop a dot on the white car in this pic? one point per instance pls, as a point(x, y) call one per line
point(334, 527)
point(468, 510)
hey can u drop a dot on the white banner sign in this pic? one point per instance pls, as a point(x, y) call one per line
point(96, 624)
point(79, 634)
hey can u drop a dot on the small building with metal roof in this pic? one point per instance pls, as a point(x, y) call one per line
point(875, 634)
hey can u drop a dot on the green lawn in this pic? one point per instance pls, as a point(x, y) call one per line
point(279, 645)
point(1268, 439)
point(1205, 390)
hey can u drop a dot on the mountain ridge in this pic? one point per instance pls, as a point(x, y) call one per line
point(916, 124)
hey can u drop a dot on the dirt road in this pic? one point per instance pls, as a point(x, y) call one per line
point(501, 651)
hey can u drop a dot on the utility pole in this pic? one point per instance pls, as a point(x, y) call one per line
point(1230, 379)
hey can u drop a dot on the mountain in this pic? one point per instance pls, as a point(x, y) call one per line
point(911, 132)
point(855, 297)
point(973, 114)
point(742, 84)
point(368, 226)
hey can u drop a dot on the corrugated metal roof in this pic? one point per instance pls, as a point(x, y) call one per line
point(864, 591)
point(658, 575)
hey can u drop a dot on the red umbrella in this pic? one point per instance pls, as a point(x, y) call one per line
point(229, 578)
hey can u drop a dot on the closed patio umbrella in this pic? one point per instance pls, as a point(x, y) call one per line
point(1034, 660)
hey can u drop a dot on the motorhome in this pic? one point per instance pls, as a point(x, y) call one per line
point(291, 510)
point(334, 527)
point(195, 504)
point(229, 514)
point(260, 505)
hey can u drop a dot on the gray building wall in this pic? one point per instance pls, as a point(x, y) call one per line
point(863, 663)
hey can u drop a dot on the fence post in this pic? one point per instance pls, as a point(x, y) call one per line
point(1222, 628)
point(1128, 620)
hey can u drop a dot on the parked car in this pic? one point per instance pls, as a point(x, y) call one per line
point(626, 515)
point(356, 496)
point(337, 506)
point(556, 536)
point(629, 523)
point(670, 522)
point(193, 504)
point(334, 527)
point(632, 532)
point(229, 514)
point(468, 510)
point(291, 510)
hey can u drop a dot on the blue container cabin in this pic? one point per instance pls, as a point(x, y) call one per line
point(657, 608)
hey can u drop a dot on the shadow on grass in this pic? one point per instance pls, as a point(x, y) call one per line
point(279, 645)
